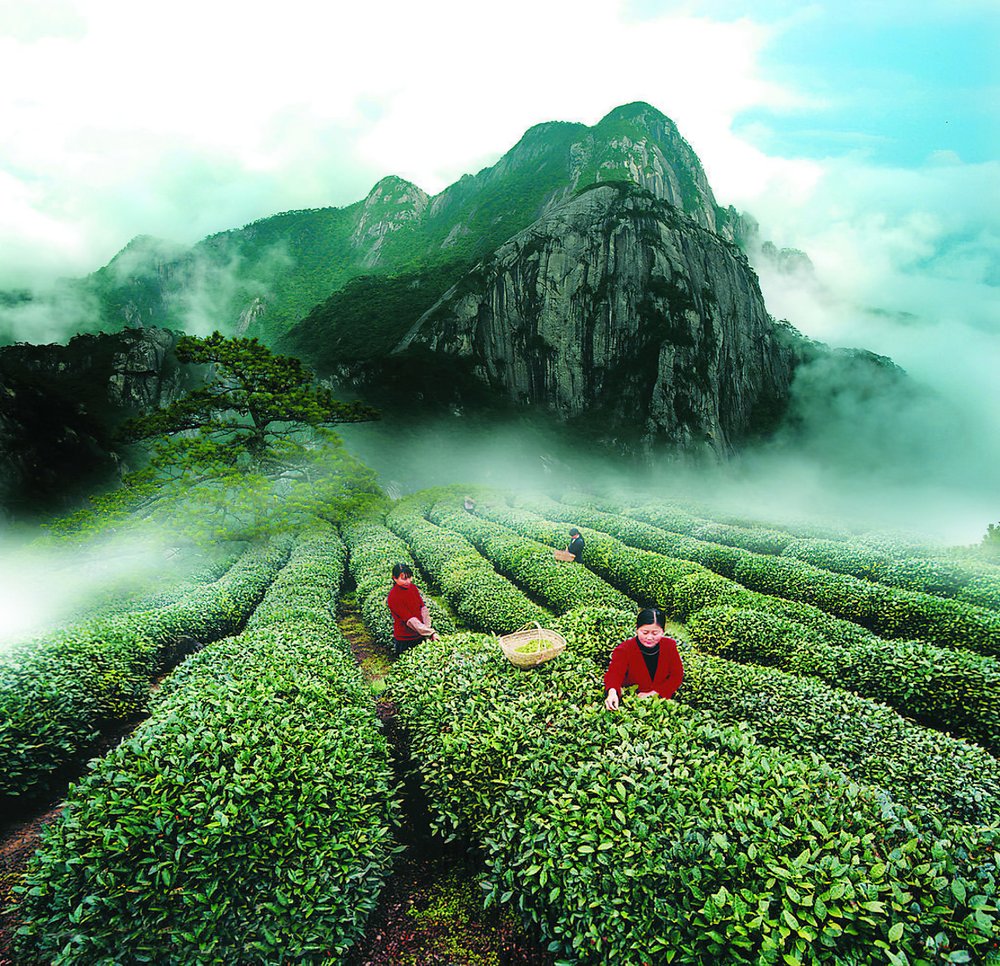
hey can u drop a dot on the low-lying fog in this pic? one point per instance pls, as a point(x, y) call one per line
point(47, 586)
point(849, 478)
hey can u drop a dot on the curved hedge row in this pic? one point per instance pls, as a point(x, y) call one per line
point(893, 565)
point(950, 690)
point(680, 587)
point(944, 689)
point(374, 549)
point(860, 737)
point(247, 820)
point(56, 694)
point(529, 561)
point(644, 577)
point(923, 574)
point(895, 613)
point(657, 833)
point(887, 611)
point(478, 594)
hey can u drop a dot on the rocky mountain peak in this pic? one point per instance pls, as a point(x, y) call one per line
point(616, 305)
point(393, 204)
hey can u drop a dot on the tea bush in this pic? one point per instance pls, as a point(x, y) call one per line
point(657, 833)
point(374, 549)
point(247, 820)
point(56, 694)
point(561, 586)
point(480, 596)
point(949, 690)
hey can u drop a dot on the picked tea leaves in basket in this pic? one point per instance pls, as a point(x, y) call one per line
point(532, 645)
point(564, 555)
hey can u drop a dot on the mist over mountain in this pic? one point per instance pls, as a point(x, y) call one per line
point(588, 277)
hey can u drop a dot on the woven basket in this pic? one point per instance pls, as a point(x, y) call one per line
point(549, 644)
point(564, 555)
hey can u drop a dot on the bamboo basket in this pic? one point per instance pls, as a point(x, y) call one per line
point(549, 643)
point(564, 555)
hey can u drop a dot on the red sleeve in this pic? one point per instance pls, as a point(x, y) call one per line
point(669, 680)
point(614, 677)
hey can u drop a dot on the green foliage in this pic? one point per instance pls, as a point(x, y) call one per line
point(248, 453)
point(374, 549)
point(890, 611)
point(594, 632)
point(806, 717)
point(480, 596)
point(369, 315)
point(56, 693)
point(248, 819)
point(658, 833)
point(519, 554)
point(951, 690)
point(991, 540)
point(255, 408)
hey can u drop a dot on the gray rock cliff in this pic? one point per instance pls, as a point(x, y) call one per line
point(60, 405)
point(617, 308)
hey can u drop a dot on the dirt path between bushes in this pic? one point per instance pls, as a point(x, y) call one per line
point(431, 911)
point(17, 843)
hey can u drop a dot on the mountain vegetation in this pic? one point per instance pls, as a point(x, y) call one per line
point(257, 428)
point(263, 278)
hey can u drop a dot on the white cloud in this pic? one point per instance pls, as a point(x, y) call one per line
point(201, 116)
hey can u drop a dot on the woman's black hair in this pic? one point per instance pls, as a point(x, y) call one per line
point(401, 569)
point(651, 615)
point(573, 532)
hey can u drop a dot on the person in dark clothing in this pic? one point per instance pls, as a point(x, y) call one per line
point(411, 622)
point(649, 660)
point(575, 545)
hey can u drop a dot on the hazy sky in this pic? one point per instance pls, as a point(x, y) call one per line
point(863, 133)
point(181, 119)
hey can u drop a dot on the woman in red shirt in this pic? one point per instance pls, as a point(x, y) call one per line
point(411, 621)
point(648, 660)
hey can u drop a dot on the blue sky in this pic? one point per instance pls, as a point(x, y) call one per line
point(896, 81)
point(897, 92)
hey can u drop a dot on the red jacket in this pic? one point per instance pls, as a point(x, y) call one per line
point(404, 603)
point(629, 667)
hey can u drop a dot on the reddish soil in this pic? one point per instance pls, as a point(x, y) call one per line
point(17, 843)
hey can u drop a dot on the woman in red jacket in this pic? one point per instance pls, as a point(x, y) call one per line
point(649, 660)
point(411, 622)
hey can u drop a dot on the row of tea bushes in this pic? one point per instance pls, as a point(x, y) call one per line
point(644, 577)
point(56, 694)
point(862, 738)
point(530, 563)
point(247, 820)
point(950, 690)
point(884, 610)
point(893, 564)
point(658, 835)
point(156, 591)
point(927, 575)
point(685, 516)
point(374, 550)
point(681, 587)
point(480, 596)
